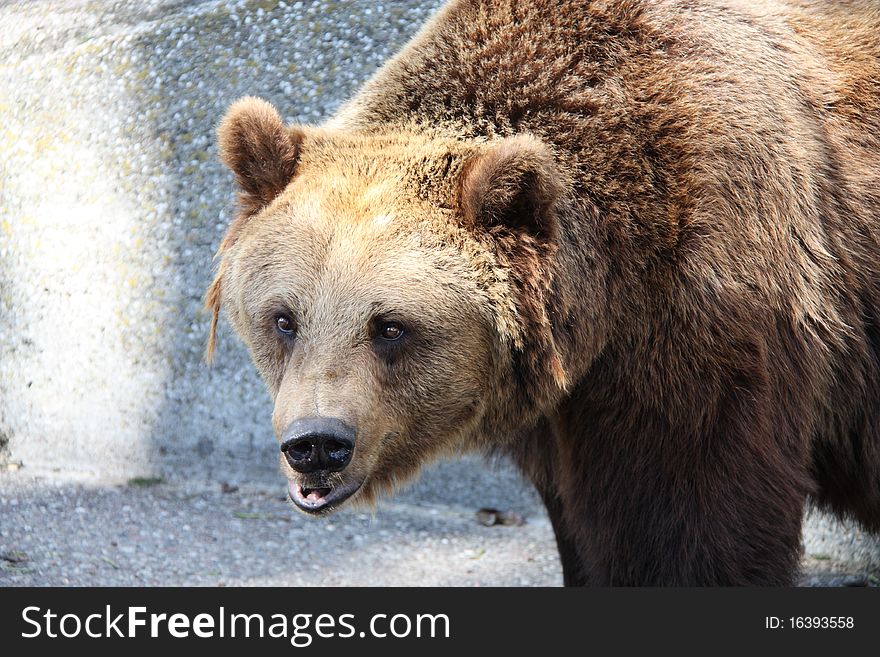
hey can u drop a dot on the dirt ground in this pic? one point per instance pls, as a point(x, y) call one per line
point(60, 531)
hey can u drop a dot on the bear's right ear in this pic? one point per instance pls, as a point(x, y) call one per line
point(263, 155)
point(260, 151)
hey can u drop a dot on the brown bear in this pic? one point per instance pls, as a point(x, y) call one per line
point(633, 244)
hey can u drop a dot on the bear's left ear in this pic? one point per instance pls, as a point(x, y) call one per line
point(509, 191)
point(262, 153)
point(512, 184)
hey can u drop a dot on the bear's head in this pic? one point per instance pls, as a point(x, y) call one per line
point(393, 289)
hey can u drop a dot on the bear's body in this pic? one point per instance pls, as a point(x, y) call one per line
point(658, 224)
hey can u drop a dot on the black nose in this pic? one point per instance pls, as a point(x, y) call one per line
point(319, 443)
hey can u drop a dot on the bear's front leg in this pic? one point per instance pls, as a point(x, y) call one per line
point(537, 455)
point(647, 503)
point(569, 554)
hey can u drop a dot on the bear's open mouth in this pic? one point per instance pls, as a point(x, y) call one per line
point(320, 499)
point(314, 495)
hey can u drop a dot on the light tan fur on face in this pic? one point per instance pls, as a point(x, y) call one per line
point(345, 242)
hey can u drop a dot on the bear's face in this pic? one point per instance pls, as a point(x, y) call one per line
point(363, 277)
point(350, 317)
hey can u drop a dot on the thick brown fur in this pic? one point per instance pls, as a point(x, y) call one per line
point(642, 239)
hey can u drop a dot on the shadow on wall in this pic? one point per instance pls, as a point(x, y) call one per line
point(112, 204)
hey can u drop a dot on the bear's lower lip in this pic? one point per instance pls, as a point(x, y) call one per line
point(320, 499)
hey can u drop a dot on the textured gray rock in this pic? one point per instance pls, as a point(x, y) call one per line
point(112, 204)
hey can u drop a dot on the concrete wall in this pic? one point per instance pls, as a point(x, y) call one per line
point(112, 204)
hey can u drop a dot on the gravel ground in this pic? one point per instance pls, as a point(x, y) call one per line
point(58, 531)
point(64, 532)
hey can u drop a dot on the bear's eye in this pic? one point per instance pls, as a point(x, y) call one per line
point(285, 325)
point(391, 331)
